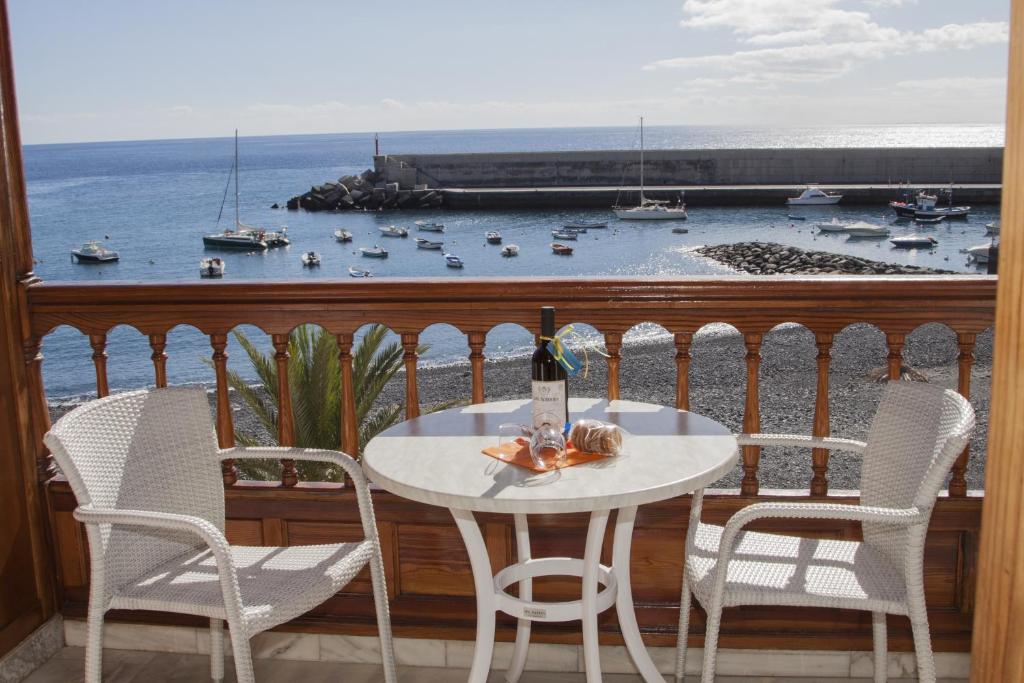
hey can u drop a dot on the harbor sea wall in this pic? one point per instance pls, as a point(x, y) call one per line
point(926, 166)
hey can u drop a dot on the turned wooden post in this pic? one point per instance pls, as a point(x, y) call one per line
point(752, 414)
point(965, 361)
point(98, 342)
point(285, 415)
point(225, 421)
point(683, 340)
point(613, 344)
point(410, 340)
point(46, 468)
point(158, 342)
point(349, 423)
point(821, 428)
point(477, 340)
point(895, 342)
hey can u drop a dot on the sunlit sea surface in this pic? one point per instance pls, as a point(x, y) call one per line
point(153, 200)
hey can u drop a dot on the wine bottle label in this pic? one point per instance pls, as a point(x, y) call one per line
point(549, 403)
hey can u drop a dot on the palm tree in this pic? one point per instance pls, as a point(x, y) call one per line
point(314, 377)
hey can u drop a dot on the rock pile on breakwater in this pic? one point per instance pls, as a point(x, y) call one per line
point(768, 258)
point(367, 192)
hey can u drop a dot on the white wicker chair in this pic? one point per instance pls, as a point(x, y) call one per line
point(145, 469)
point(914, 438)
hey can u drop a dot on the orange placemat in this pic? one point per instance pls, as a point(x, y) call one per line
point(518, 453)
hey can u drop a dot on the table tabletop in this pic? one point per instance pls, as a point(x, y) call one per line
point(437, 459)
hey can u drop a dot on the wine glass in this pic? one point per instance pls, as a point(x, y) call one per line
point(547, 447)
point(512, 433)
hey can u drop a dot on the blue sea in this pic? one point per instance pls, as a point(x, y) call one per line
point(152, 201)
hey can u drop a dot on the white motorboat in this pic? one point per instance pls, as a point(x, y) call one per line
point(358, 272)
point(814, 196)
point(979, 253)
point(583, 226)
point(393, 231)
point(94, 252)
point(863, 230)
point(834, 225)
point(427, 244)
point(452, 261)
point(914, 241)
point(510, 250)
point(992, 228)
point(310, 259)
point(493, 237)
point(211, 267)
point(343, 235)
point(426, 226)
point(648, 209)
point(374, 252)
point(242, 236)
point(563, 234)
point(561, 249)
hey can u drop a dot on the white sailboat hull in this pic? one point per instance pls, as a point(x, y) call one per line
point(657, 214)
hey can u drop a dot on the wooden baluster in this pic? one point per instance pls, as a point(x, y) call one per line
point(895, 342)
point(349, 423)
point(98, 342)
point(683, 340)
point(46, 468)
point(477, 340)
point(410, 340)
point(225, 421)
point(752, 414)
point(285, 415)
point(613, 344)
point(821, 428)
point(965, 361)
point(158, 342)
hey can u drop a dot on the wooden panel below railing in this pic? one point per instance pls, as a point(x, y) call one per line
point(432, 588)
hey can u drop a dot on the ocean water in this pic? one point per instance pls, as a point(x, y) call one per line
point(153, 200)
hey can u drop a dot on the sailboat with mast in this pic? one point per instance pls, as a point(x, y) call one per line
point(649, 209)
point(242, 236)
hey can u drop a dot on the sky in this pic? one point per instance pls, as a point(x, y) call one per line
point(131, 70)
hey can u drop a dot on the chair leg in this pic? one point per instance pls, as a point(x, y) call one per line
point(711, 639)
point(380, 601)
point(684, 625)
point(217, 649)
point(94, 641)
point(243, 654)
point(880, 638)
point(918, 613)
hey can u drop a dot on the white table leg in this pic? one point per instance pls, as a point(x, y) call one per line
point(591, 561)
point(483, 582)
point(621, 546)
point(515, 669)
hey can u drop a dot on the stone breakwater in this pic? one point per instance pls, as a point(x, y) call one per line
point(768, 258)
point(367, 191)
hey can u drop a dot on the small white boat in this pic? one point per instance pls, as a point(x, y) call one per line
point(979, 253)
point(358, 272)
point(992, 228)
point(374, 252)
point(863, 230)
point(452, 261)
point(914, 241)
point(493, 237)
point(427, 244)
point(310, 259)
point(921, 220)
point(510, 250)
point(814, 196)
point(211, 267)
point(426, 226)
point(561, 249)
point(582, 226)
point(796, 218)
point(94, 252)
point(393, 231)
point(563, 234)
point(680, 231)
point(343, 235)
point(834, 225)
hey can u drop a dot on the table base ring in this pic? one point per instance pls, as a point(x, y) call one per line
point(550, 611)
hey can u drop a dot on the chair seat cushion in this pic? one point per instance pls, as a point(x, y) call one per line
point(277, 584)
point(772, 569)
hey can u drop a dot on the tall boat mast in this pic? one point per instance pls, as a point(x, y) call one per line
point(641, 160)
point(238, 222)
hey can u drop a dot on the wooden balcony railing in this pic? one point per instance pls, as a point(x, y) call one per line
point(426, 565)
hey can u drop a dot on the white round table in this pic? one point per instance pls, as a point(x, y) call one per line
point(436, 459)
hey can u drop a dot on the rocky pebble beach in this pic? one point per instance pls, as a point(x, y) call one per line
point(768, 258)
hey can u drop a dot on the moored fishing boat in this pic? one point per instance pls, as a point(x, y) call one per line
point(94, 252)
point(493, 237)
point(584, 225)
point(452, 261)
point(358, 272)
point(814, 196)
point(211, 267)
point(427, 244)
point(914, 241)
point(374, 252)
point(310, 259)
point(561, 249)
point(426, 226)
point(393, 231)
point(343, 235)
point(510, 250)
point(924, 206)
point(563, 234)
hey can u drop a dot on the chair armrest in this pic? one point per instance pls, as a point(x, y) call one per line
point(802, 441)
point(858, 513)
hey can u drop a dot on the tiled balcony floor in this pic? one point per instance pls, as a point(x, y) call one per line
point(124, 666)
